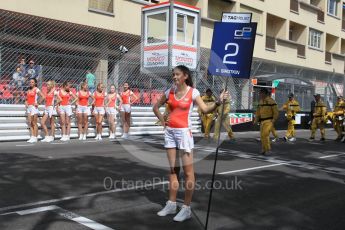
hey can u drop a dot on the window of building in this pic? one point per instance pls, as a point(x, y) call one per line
point(332, 7)
point(157, 28)
point(315, 38)
point(185, 29)
point(106, 6)
point(256, 16)
point(146, 1)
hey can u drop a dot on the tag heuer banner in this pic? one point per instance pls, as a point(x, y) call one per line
point(240, 118)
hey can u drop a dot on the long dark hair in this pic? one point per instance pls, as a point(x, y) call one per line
point(185, 70)
point(35, 80)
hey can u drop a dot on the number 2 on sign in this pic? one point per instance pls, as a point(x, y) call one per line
point(227, 45)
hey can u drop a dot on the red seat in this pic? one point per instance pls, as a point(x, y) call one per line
point(155, 96)
point(147, 97)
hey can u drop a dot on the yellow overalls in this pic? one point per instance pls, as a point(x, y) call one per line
point(225, 120)
point(267, 113)
point(207, 119)
point(319, 119)
point(291, 108)
point(338, 118)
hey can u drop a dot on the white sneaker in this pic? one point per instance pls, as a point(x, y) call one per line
point(84, 137)
point(50, 139)
point(63, 138)
point(275, 139)
point(97, 136)
point(81, 137)
point(184, 214)
point(68, 138)
point(111, 136)
point(125, 135)
point(46, 139)
point(170, 208)
point(29, 141)
point(292, 139)
point(33, 140)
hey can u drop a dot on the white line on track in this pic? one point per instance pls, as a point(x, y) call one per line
point(251, 169)
point(76, 197)
point(330, 156)
point(66, 214)
point(26, 145)
point(58, 143)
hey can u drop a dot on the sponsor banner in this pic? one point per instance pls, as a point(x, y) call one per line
point(184, 56)
point(237, 17)
point(155, 56)
point(240, 118)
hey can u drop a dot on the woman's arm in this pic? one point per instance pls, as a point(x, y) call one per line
point(156, 111)
point(75, 98)
point(210, 108)
point(120, 100)
point(42, 97)
point(134, 96)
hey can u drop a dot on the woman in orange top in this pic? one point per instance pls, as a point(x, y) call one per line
point(31, 106)
point(48, 112)
point(83, 110)
point(178, 135)
point(98, 103)
point(111, 110)
point(64, 109)
point(128, 98)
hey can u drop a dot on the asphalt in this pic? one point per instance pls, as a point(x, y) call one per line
point(122, 184)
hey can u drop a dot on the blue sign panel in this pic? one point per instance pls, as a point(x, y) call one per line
point(232, 49)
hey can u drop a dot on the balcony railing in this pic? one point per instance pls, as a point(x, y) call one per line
point(301, 50)
point(328, 57)
point(270, 43)
point(294, 5)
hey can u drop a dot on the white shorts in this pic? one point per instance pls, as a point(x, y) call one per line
point(111, 110)
point(65, 109)
point(125, 108)
point(83, 109)
point(180, 138)
point(99, 110)
point(32, 110)
point(49, 110)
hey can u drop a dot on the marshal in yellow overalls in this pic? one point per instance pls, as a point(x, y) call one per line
point(319, 115)
point(291, 107)
point(267, 113)
point(225, 120)
point(207, 119)
point(338, 117)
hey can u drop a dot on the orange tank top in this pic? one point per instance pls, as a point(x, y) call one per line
point(83, 99)
point(65, 98)
point(99, 99)
point(180, 109)
point(112, 100)
point(31, 96)
point(50, 98)
point(126, 97)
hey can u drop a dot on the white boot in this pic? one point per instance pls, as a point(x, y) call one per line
point(96, 138)
point(33, 140)
point(81, 136)
point(50, 139)
point(84, 137)
point(30, 139)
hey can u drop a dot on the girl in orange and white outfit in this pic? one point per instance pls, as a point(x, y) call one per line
point(128, 98)
point(98, 112)
point(83, 110)
point(178, 135)
point(31, 106)
point(111, 110)
point(64, 109)
point(48, 112)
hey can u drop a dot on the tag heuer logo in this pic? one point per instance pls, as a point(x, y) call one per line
point(240, 118)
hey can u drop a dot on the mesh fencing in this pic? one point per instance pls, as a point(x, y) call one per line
point(63, 51)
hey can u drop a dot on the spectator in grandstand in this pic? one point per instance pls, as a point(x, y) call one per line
point(111, 110)
point(6, 95)
point(91, 81)
point(128, 98)
point(65, 110)
point(178, 135)
point(98, 112)
point(22, 65)
point(50, 96)
point(17, 84)
point(83, 110)
point(31, 106)
point(32, 71)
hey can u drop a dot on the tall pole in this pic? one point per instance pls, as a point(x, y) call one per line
point(215, 160)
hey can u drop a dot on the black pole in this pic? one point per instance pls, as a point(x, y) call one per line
point(215, 159)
